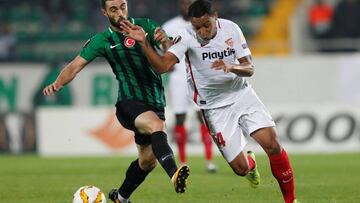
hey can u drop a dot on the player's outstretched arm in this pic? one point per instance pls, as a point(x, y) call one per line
point(66, 75)
point(161, 64)
point(244, 69)
point(161, 37)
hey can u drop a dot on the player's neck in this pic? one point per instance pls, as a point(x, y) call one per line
point(115, 29)
point(215, 33)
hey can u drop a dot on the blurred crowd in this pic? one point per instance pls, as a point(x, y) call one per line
point(340, 20)
point(28, 27)
point(334, 25)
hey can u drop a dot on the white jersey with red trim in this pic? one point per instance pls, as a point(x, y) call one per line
point(213, 88)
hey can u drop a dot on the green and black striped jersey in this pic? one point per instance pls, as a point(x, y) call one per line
point(136, 78)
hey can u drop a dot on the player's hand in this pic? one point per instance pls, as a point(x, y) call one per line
point(221, 65)
point(51, 89)
point(134, 31)
point(160, 35)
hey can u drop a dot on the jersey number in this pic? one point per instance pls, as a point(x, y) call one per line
point(219, 140)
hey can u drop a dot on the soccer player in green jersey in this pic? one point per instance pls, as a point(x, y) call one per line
point(141, 101)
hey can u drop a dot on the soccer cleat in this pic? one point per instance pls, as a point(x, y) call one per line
point(180, 178)
point(296, 201)
point(253, 176)
point(113, 196)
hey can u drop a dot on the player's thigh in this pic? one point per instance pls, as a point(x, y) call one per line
point(147, 159)
point(139, 117)
point(149, 122)
point(253, 113)
point(225, 131)
point(256, 121)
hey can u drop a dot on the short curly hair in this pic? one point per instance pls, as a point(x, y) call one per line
point(200, 8)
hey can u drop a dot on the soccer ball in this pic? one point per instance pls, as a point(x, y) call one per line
point(89, 194)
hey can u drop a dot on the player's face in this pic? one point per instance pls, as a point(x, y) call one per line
point(116, 11)
point(205, 27)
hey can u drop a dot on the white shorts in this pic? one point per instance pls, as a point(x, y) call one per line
point(231, 125)
point(178, 92)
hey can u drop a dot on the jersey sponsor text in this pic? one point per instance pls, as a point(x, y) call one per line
point(218, 55)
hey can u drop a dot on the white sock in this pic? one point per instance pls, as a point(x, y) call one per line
point(121, 198)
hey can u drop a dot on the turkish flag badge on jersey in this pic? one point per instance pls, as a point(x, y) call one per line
point(129, 42)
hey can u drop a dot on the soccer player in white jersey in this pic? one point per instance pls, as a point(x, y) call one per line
point(179, 93)
point(219, 60)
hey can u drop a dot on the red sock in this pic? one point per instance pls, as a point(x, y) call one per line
point(181, 137)
point(251, 162)
point(206, 139)
point(282, 171)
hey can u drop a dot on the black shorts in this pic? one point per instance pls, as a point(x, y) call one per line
point(128, 110)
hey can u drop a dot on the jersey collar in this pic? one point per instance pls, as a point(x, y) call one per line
point(132, 20)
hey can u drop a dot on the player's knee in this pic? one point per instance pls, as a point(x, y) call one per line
point(241, 170)
point(151, 127)
point(148, 123)
point(148, 164)
point(156, 126)
point(273, 148)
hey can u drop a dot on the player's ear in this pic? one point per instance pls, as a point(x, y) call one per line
point(104, 12)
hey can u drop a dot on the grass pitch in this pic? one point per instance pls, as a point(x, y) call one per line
point(330, 178)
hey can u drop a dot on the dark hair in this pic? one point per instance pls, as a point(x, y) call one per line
point(102, 3)
point(200, 8)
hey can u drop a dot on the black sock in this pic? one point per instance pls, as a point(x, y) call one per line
point(134, 177)
point(163, 152)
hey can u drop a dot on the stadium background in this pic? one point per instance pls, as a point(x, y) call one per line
point(307, 73)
